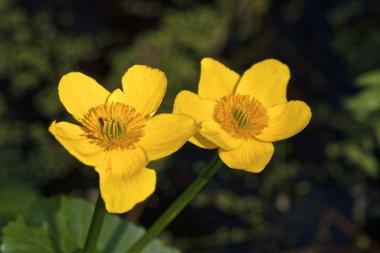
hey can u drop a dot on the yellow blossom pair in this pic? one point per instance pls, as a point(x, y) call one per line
point(119, 134)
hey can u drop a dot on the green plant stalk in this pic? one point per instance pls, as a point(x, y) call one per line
point(95, 227)
point(165, 219)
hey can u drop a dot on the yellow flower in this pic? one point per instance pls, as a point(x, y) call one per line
point(118, 133)
point(243, 115)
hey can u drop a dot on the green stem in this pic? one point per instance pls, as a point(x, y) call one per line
point(95, 227)
point(178, 205)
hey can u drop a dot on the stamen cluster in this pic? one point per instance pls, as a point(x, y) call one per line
point(113, 125)
point(241, 116)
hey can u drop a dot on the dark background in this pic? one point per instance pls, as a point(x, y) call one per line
point(318, 194)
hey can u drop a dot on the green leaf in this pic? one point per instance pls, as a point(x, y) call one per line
point(8, 193)
point(18, 237)
point(72, 220)
point(60, 224)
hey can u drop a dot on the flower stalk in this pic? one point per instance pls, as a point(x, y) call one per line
point(95, 227)
point(164, 220)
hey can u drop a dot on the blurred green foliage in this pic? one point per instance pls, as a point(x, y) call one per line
point(184, 37)
point(362, 126)
point(34, 55)
point(331, 49)
point(356, 35)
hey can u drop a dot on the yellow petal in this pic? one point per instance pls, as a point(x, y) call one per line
point(214, 133)
point(201, 141)
point(285, 120)
point(266, 81)
point(72, 138)
point(117, 96)
point(78, 93)
point(165, 134)
point(122, 193)
point(191, 104)
point(123, 162)
point(144, 88)
point(216, 80)
point(251, 156)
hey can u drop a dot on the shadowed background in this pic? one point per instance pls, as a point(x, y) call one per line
point(318, 194)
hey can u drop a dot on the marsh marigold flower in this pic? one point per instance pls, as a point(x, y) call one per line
point(118, 134)
point(243, 115)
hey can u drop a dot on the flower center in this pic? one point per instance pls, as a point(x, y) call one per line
point(114, 125)
point(241, 116)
